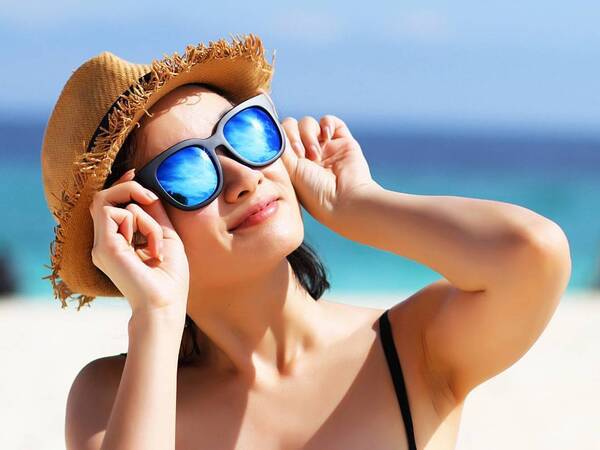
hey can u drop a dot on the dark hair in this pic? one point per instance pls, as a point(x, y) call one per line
point(308, 269)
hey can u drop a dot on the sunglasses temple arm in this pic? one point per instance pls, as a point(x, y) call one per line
point(272, 106)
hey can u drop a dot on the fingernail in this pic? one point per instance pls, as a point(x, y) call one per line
point(152, 195)
point(160, 250)
point(327, 132)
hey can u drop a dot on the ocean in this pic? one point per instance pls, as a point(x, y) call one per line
point(554, 174)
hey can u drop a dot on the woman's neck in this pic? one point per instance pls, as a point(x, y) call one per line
point(258, 328)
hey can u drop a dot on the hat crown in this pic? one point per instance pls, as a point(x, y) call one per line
point(87, 95)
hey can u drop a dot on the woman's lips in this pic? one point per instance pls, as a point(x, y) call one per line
point(258, 217)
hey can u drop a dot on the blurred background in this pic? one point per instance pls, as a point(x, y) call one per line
point(485, 100)
point(493, 100)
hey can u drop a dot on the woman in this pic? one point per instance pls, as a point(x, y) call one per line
point(275, 368)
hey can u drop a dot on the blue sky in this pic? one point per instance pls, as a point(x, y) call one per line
point(529, 64)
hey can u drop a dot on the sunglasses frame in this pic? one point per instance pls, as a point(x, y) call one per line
point(146, 176)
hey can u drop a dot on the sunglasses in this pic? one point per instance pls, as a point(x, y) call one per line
point(188, 175)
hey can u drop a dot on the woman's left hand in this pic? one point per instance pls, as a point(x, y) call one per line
point(326, 165)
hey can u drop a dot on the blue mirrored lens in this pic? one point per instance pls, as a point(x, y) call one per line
point(188, 175)
point(253, 134)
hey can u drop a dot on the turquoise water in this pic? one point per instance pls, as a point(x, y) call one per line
point(554, 176)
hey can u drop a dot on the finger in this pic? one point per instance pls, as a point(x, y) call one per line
point(148, 227)
point(126, 227)
point(123, 193)
point(107, 221)
point(337, 148)
point(132, 191)
point(290, 126)
point(110, 240)
point(158, 212)
point(127, 192)
point(111, 227)
point(338, 128)
point(327, 126)
point(129, 175)
point(310, 130)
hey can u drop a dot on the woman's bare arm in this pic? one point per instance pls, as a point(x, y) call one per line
point(505, 269)
point(143, 412)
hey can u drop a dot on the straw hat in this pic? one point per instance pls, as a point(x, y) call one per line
point(98, 107)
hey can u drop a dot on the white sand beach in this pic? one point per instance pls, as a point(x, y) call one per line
point(548, 400)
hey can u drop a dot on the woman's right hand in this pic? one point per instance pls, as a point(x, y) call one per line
point(150, 284)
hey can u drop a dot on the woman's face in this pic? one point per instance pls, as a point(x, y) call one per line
point(217, 256)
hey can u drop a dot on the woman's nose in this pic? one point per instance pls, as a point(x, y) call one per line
point(238, 178)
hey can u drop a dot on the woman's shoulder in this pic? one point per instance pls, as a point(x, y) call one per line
point(91, 397)
point(349, 324)
point(101, 375)
point(353, 314)
point(108, 368)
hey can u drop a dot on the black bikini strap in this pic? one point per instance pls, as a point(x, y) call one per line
point(396, 370)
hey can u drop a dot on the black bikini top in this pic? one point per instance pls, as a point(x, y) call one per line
point(393, 362)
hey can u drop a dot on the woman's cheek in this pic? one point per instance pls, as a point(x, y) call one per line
point(197, 226)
